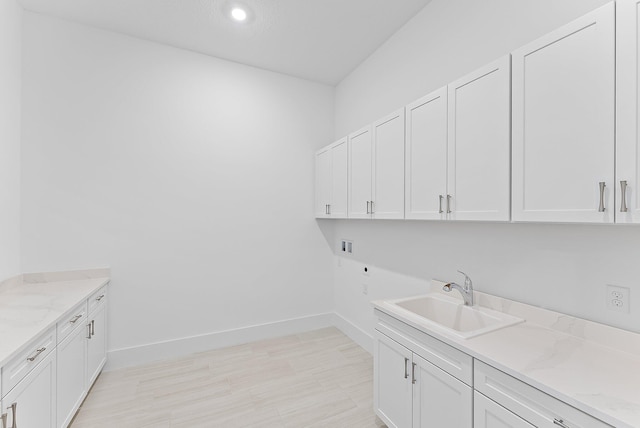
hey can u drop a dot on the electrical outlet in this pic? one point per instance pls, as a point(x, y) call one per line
point(617, 298)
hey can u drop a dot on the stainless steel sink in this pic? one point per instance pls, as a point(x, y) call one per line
point(452, 316)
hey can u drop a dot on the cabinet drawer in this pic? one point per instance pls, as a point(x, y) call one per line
point(533, 405)
point(25, 361)
point(447, 358)
point(76, 317)
point(98, 298)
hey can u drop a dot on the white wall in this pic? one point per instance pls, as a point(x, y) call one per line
point(561, 267)
point(10, 101)
point(192, 177)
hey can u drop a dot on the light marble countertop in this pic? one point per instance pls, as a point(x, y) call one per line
point(32, 303)
point(591, 366)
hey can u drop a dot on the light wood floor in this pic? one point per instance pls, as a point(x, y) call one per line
point(315, 379)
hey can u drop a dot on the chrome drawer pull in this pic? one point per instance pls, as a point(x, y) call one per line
point(560, 423)
point(413, 373)
point(602, 185)
point(93, 332)
point(623, 196)
point(448, 204)
point(89, 331)
point(440, 206)
point(75, 319)
point(38, 352)
point(368, 208)
point(406, 370)
point(100, 297)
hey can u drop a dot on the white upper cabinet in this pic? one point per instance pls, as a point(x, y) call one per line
point(360, 189)
point(479, 144)
point(339, 163)
point(388, 167)
point(628, 112)
point(323, 182)
point(426, 157)
point(563, 123)
point(331, 181)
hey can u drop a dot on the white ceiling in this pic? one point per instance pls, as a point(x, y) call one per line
point(320, 40)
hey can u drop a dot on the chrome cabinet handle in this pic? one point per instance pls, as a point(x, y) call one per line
point(75, 319)
point(368, 208)
point(602, 185)
point(38, 352)
point(560, 423)
point(406, 369)
point(440, 204)
point(413, 373)
point(89, 331)
point(372, 211)
point(448, 204)
point(14, 414)
point(93, 332)
point(329, 209)
point(100, 297)
point(623, 199)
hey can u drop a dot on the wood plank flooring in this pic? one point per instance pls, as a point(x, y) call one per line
point(315, 379)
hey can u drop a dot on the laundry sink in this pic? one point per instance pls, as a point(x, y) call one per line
point(452, 316)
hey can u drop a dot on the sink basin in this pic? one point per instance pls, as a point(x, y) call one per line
point(452, 316)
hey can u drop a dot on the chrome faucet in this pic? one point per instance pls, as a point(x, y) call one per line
point(466, 290)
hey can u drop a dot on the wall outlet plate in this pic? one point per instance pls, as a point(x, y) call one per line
point(617, 298)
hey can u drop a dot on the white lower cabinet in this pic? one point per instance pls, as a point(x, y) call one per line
point(410, 391)
point(528, 403)
point(32, 402)
point(489, 414)
point(44, 385)
point(439, 399)
point(420, 381)
point(393, 388)
point(72, 366)
point(96, 342)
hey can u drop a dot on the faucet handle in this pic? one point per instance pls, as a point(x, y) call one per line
point(467, 281)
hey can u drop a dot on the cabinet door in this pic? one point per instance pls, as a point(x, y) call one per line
point(34, 397)
point(339, 163)
point(426, 157)
point(97, 345)
point(479, 144)
point(488, 414)
point(439, 399)
point(563, 123)
point(71, 374)
point(323, 182)
point(628, 112)
point(388, 167)
point(392, 382)
point(360, 174)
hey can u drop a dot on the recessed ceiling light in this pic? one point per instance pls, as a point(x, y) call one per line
point(239, 14)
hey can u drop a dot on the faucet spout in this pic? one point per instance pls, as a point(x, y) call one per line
point(466, 290)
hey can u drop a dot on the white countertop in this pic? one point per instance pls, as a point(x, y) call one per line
point(32, 304)
point(593, 367)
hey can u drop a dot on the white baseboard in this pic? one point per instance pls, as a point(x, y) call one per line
point(144, 354)
point(355, 333)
